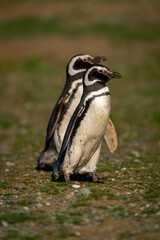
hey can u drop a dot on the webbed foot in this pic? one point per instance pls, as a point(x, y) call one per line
point(97, 177)
point(68, 179)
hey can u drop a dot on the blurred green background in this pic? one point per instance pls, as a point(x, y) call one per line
point(38, 38)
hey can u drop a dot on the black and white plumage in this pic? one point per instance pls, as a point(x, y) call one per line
point(82, 141)
point(64, 108)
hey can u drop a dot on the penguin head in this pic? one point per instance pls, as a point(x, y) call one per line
point(81, 62)
point(99, 73)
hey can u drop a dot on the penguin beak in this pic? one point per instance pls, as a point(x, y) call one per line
point(110, 74)
point(98, 59)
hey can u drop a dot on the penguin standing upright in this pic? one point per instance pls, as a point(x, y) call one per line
point(82, 141)
point(64, 108)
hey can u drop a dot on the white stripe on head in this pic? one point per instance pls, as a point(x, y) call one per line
point(73, 71)
point(87, 82)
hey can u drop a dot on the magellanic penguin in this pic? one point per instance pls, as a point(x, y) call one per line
point(82, 141)
point(64, 108)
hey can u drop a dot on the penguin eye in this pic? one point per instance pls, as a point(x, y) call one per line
point(100, 71)
point(85, 59)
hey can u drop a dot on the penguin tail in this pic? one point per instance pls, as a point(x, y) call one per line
point(45, 161)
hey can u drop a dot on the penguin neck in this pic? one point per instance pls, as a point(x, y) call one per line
point(96, 87)
point(77, 76)
point(73, 82)
point(93, 91)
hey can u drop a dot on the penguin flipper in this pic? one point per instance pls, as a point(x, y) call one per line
point(67, 137)
point(111, 136)
point(54, 119)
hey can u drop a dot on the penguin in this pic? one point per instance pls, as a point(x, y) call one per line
point(64, 108)
point(81, 145)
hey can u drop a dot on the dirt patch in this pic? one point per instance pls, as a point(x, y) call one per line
point(110, 227)
point(60, 49)
point(86, 9)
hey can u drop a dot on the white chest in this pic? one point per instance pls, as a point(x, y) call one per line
point(89, 134)
point(96, 118)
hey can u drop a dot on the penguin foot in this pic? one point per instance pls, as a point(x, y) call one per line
point(97, 177)
point(68, 179)
point(55, 176)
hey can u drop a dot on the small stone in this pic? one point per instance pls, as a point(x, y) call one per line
point(136, 160)
point(136, 214)
point(142, 208)
point(39, 194)
point(158, 213)
point(124, 169)
point(48, 204)
point(77, 234)
point(75, 186)
point(75, 191)
point(26, 208)
point(7, 170)
point(156, 226)
point(70, 195)
point(128, 193)
point(26, 175)
point(84, 191)
point(5, 224)
point(10, 164)
point(39, 198)
point(112, 179)
point(39, 205)
point(135, 153)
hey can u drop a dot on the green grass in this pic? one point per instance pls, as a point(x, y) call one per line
point(64, 233)
point(14, 235)
point(24, 202)
point(4, 185)
point(152, 193)
point(36, 66)
point(31, 26)
point(16, 217)
point(61, 219)
point(7, 121)
point(126, 235)
point(74, 217)
point(50, 190)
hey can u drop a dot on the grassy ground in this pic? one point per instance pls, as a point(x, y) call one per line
point(37, 40)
